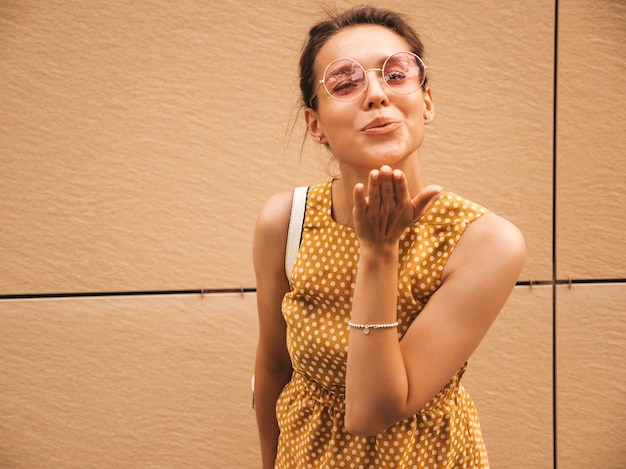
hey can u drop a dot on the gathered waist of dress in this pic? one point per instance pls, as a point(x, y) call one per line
point(314, 392)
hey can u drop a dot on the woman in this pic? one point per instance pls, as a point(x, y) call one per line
point(362, 348)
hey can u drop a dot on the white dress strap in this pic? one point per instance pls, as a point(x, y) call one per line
point(294, 234)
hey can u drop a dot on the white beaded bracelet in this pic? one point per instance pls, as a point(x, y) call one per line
point(366, 327)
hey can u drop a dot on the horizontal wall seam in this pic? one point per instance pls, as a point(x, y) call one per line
point(201, 292)
point(242, 291)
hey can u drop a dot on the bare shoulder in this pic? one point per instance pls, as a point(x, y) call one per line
point(270, 233)
point(273, 218)
point(498, 233)
point(490, 242)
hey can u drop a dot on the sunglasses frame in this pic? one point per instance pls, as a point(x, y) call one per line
point(365, 72)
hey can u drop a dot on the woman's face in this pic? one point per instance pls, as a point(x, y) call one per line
point(380, 126)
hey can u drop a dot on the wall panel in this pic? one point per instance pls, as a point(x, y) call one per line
point(128, 382)
point(145, 381)
point(591, 150)
point(133, 160)
point(591, 351)
point(492, 78)
point(510, 380)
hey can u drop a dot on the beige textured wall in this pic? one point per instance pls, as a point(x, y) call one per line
point(139, 140)
point(128, 382)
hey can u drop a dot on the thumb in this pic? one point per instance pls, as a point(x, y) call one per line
point(425, 199)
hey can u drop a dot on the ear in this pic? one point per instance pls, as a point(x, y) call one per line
point(429, 106)
point(313, 123)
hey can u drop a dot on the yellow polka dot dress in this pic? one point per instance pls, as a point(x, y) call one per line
point(310, 410)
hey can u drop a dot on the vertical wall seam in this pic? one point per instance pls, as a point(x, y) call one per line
point(554, 234)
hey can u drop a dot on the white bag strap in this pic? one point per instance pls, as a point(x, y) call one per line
point(294, 234)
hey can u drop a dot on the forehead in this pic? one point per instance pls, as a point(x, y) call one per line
point(367, 44)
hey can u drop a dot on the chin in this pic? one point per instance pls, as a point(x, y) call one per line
point(392, 156)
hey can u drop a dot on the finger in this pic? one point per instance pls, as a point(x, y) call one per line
point(387, 186)
point(373, 189)
point(401, 187)
point(360, 200)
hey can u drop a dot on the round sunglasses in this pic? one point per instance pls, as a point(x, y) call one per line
point(346, 79)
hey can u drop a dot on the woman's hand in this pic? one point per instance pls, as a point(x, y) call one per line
point(383, 211)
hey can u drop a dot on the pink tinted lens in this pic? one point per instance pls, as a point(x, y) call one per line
point(344, 79)
point(403, 72)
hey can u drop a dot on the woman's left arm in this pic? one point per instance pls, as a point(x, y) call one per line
point(388, 380)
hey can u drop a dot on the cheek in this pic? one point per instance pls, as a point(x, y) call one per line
point(416, 113)
point(335, 122)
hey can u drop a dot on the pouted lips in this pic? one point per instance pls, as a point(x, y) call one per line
point(381, 125)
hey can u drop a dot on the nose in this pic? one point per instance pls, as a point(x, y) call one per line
point(375, 93)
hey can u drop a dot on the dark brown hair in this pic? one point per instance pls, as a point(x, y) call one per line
point(320, 33)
